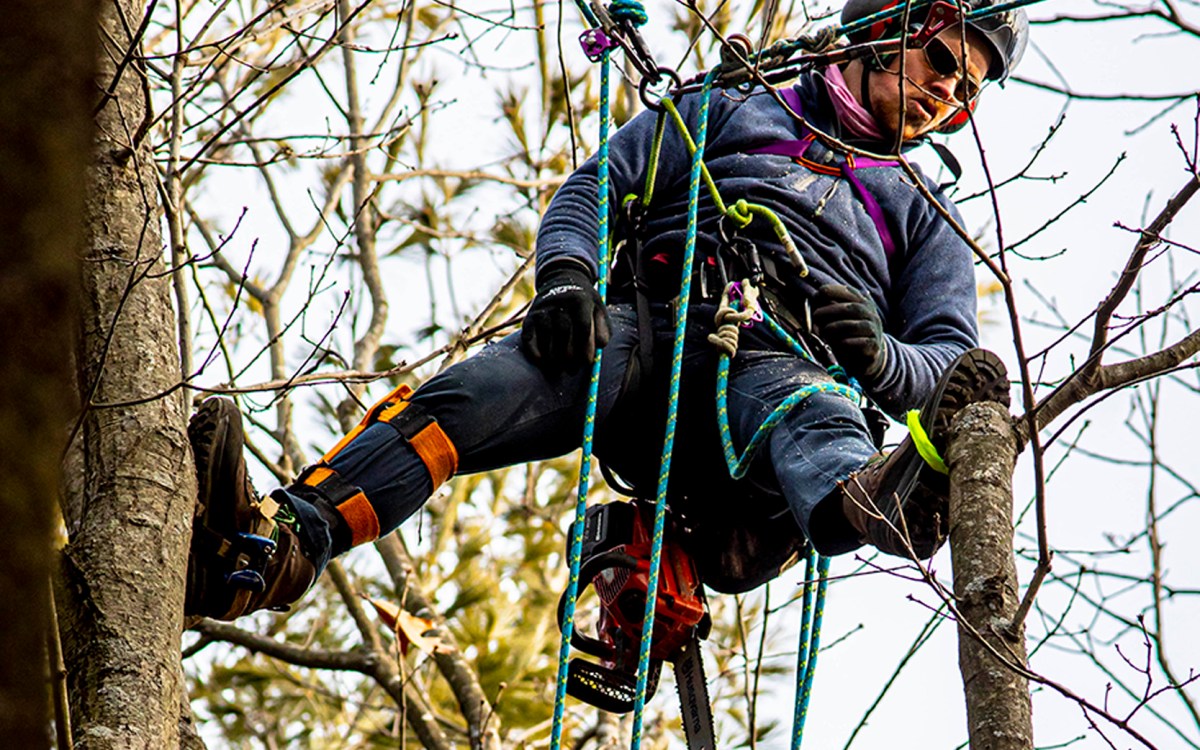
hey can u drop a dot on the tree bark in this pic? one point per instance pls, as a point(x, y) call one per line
point(46, 67)
point(982, 455)
point(123, 570)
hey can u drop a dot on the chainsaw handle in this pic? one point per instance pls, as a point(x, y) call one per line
point(587, 573)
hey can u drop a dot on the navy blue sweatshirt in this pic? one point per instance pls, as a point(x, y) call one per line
point(925, 292)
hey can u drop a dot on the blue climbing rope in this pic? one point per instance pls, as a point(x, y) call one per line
point(633, 14)
point(589, 425)
point(660, 510)
point(816, 579)
point(816, 570)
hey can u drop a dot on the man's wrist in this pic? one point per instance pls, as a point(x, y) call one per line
point(558, 269)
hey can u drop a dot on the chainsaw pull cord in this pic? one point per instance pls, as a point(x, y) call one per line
point(589, 425)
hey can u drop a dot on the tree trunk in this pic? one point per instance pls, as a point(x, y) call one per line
point(123, 570)
point(45, 133)
point(981, 455)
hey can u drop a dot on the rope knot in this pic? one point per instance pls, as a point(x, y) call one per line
point(820, 40)
point(729, 319)
point(740, 213)
point(629, 10)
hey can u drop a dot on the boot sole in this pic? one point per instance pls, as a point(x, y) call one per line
point(215, 432)
point(977, 375)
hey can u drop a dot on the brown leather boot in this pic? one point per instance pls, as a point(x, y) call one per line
point(898, 503)
point(244, 556)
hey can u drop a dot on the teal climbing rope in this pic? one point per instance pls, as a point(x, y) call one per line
point(660, 510)
point(738, 308)
point(816, 579)
point(589, 425)
point(628, 10)
point(631, 13)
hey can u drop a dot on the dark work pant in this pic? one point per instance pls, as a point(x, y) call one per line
point(500, 409)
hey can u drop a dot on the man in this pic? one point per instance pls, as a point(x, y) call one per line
point(890, 295)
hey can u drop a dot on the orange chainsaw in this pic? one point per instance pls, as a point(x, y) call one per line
point(615, 561)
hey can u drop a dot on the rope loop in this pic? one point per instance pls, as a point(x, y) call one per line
point(739, 212)
point(838, 373)
point(729, 319)
point(742, 212)
point(631, 11)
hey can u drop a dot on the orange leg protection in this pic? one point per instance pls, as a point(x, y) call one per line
point(431, 444)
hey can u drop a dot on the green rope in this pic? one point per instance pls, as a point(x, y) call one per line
point(682, 128)
point(655, 152)
point(743, 212)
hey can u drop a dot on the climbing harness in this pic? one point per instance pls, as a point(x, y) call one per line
point(798, 150)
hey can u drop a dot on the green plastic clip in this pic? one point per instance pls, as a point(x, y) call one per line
point(923, 444)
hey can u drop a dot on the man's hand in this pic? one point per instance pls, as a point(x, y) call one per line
point(850, 324)
point(567, 321)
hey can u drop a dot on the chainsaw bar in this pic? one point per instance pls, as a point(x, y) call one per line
point(693, 698)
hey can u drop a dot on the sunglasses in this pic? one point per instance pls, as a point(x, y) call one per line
point(946, 63)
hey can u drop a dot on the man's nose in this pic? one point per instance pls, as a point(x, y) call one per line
point(942, 87)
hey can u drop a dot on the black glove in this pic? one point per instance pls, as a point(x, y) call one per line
point(849, 323)
point(567, 321)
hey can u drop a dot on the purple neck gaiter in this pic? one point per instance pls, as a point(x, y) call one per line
point(857, 121)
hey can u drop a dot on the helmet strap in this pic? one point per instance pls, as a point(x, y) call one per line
point(864, 92)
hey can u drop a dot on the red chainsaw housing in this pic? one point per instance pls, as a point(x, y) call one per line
point(622, 590)
point(615, 559)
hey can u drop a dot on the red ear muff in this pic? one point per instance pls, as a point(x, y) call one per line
point(959, 120)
